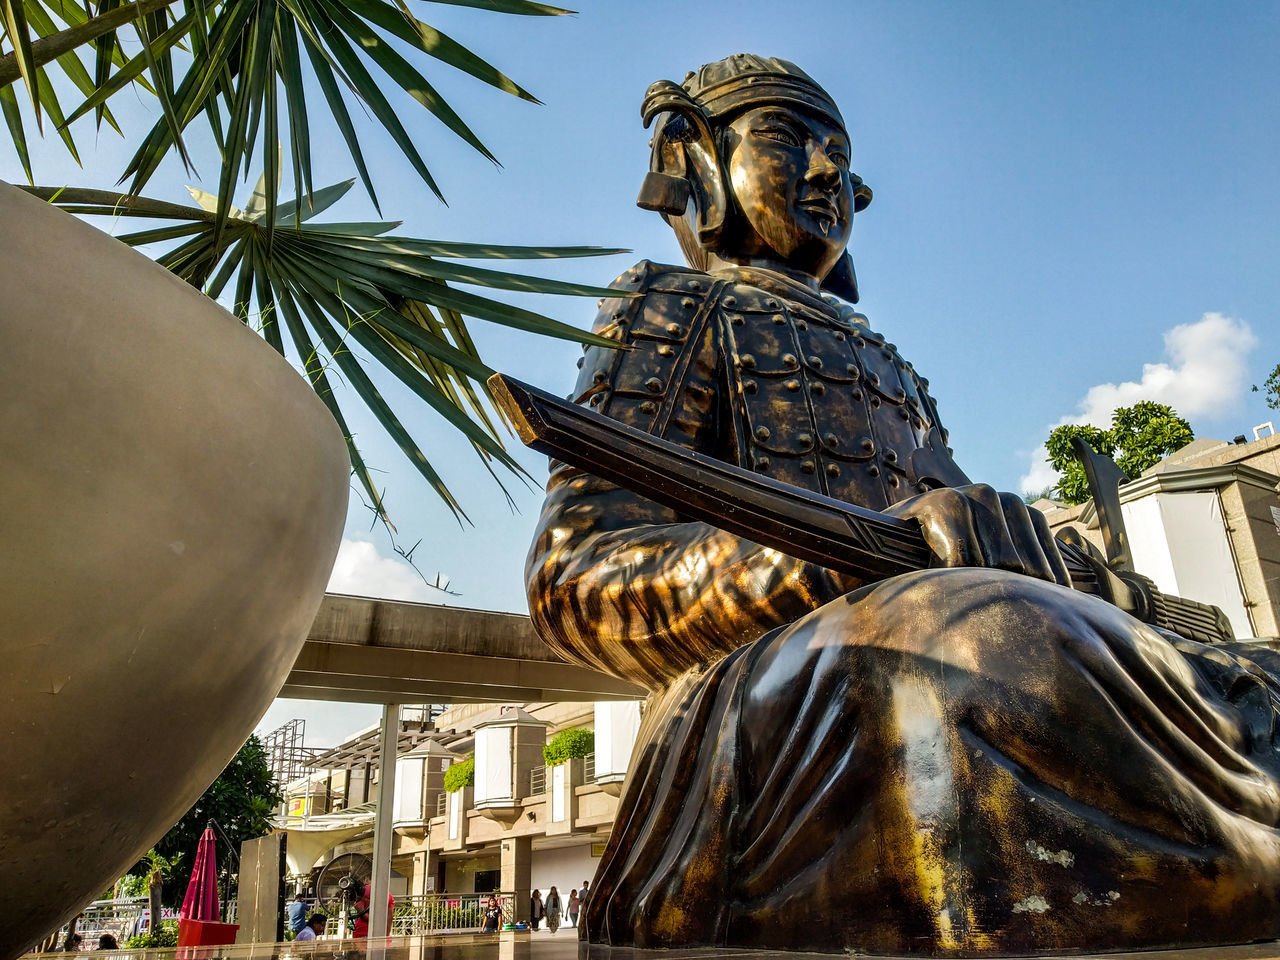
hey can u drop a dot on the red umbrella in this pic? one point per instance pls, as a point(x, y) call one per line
point(201, 901)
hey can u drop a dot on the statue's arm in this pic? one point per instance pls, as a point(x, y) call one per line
point(623, 585)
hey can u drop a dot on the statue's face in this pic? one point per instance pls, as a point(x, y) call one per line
point(790, 174)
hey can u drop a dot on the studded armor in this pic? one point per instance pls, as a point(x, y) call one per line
point(756, 370)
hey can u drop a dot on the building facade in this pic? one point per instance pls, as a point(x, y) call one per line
point(518, 826)
point(1204, 523)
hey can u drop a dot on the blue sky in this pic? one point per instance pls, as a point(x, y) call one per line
point(1075, 205)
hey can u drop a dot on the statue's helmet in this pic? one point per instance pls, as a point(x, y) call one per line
point(687, 161)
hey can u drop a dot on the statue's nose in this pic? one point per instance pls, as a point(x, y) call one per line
point(822, 170)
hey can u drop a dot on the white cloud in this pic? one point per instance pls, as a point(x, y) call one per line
point(1204, 375)
point(362, 570)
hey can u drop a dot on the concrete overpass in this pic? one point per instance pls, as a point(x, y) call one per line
point(365, 650)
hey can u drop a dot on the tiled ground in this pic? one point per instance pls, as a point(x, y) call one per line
point(542, 947)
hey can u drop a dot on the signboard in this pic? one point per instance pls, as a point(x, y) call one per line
point(299, 806)
point(597, 849)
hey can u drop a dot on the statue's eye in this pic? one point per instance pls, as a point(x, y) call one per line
point(779, 134)
point(839, 158)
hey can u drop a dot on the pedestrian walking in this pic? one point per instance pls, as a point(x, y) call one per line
point(536, 910)
point(553, 907)
point(574, 904)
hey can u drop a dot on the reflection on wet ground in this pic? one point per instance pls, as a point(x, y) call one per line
point(524, 946)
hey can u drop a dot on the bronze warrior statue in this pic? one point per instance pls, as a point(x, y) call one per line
point(965, 759)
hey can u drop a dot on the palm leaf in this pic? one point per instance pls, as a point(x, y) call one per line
point(330, 284)
point(401, 22)
point(320, 201)
point(525, 8)
point(290, 66)
point(360, 382)
point(13, 18)
point(132, 69)
point(13, 120)
point(160, 66)
point(368, 334)
point(314, 371)
point(39, 18)
point(243, 55)
point(333, 96)
point(369, 91)
point(410, 80)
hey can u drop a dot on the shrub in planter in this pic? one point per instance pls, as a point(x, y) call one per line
point(568, 745)
point(461, 774)
point(165, 936)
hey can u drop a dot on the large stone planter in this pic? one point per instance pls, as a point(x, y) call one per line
point(172, 495)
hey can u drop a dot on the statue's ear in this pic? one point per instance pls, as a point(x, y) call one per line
point(685, 162)
point(842, 280)
point(666, 186)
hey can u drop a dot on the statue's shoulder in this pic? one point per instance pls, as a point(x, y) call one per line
point(656, 304)
point(655, 319)
point(647, 275)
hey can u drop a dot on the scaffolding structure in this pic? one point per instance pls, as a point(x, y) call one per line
point(287, 754)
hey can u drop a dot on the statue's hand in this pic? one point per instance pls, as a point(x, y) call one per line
point(974, 526)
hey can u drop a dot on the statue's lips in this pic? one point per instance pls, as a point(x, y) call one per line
point(820, 208)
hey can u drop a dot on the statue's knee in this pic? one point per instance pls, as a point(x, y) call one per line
point(929, 609)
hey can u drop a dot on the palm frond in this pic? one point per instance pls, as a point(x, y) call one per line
point(354, 300)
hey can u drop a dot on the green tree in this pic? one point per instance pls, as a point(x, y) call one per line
point(1271, 387)
point(247, 76)
point(242, 801)
point(1139, 437)
point(159, 869)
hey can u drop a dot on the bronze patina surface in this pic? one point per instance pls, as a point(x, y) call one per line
point(964, 760)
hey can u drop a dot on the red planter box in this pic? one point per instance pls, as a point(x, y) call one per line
point(198, 933)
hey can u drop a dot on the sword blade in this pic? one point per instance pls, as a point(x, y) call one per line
point(808, 526)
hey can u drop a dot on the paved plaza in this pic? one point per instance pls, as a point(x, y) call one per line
point(565, 946)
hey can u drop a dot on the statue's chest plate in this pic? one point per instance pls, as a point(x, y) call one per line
point(822, 404)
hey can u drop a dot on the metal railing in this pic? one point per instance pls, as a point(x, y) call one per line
point(116, 917)
point(538, 775)
point(432, 913)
